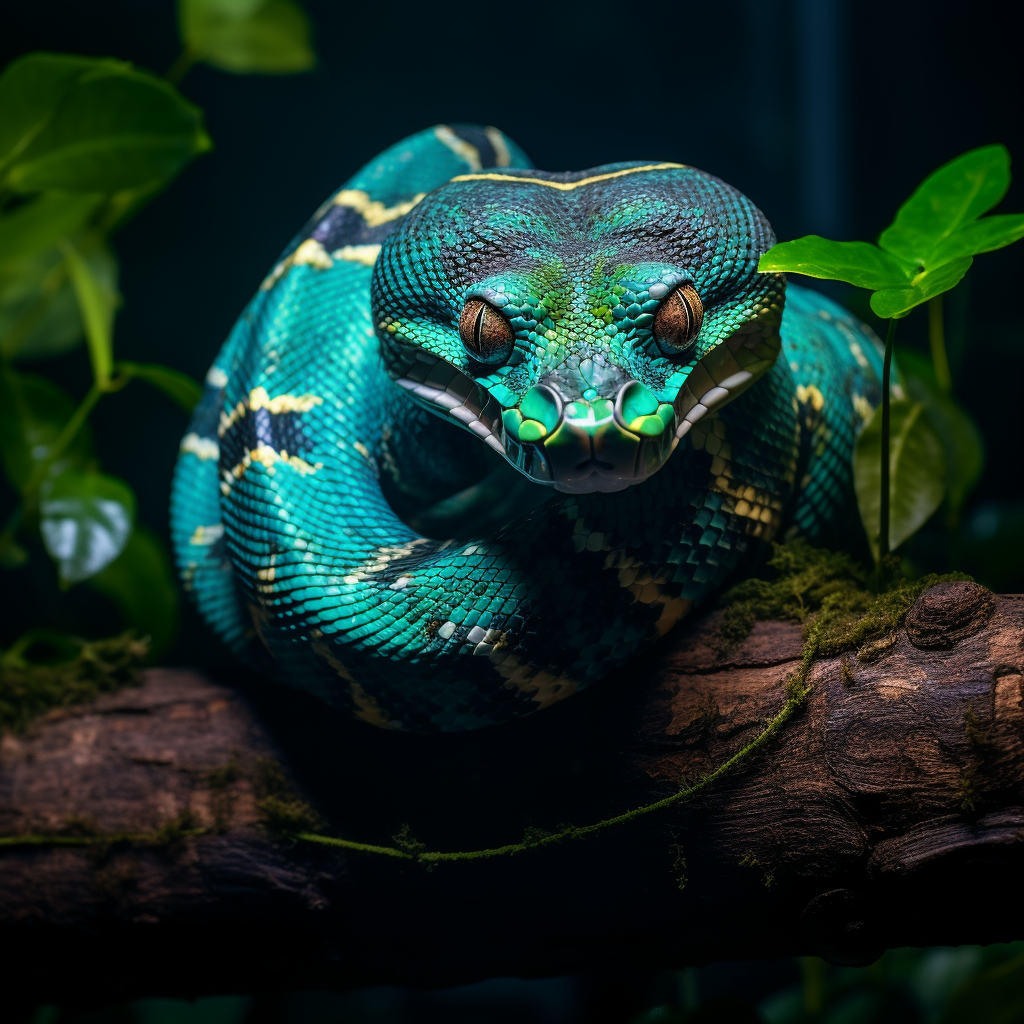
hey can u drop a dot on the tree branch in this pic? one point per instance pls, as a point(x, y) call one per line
point(888, 810)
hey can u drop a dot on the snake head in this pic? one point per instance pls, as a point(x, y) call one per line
point(579, 323)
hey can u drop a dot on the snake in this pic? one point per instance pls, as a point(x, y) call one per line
point(486, 432)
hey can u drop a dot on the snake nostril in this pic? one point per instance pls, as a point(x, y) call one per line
point(542, 406)
point(639, 411)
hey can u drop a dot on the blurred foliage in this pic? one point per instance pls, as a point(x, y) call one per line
point(85, 143)
point(943, 985)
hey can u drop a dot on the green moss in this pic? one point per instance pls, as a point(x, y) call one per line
point(828, 593)
point(28, 690)
point(281, 810)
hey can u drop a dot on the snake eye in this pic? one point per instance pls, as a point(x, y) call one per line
point(678, 319)
point(487, 335)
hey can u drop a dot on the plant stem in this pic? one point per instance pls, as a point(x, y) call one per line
point(883, 505)
point(937, 341)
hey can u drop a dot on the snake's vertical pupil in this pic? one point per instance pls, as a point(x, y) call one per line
point(478, 327)
point(487, 336)
point(678, 319)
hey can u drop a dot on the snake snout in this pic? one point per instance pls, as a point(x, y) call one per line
point(593, 443)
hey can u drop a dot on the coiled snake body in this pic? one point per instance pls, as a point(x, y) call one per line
point(484, 431)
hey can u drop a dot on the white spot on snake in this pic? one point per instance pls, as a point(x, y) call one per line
point(206, 535)
point(476, 634)
point(445, 631)
point(216, 377)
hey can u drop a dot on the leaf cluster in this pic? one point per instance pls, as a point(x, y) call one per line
point(930, 244)
point(85, 143)
point(933, 449)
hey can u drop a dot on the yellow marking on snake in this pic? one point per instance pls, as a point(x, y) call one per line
point(373, 212)
point(541, 686)
point(811, 396)
point(460, 147)
point(502, 157)
point(364, 254)
point(269, 458)
point(568, 186)
point(201, 447)
point(259, 398)
point(364, 706)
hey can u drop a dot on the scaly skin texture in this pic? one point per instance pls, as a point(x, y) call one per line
point(369, 512)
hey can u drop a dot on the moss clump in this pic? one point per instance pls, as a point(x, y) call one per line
point(28, 690)
point(828, 593)
point(282, 811)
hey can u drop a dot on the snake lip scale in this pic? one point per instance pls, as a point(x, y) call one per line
point(486, 432)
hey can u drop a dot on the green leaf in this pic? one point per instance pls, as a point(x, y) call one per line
point(980, 236)
point(917, 468)
point(960, 436)
point(92, 126)
point(32, 414)
point(898, 302)
point(269, 36)
point(141, 582)
point(86, 520)
point(39, 224)
point(948, 199)
point(30, 89)
point(39, 314)
point(97, 309)
point(178, 386)
point(858, 263)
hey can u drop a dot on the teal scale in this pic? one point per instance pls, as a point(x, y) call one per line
point(485, 432)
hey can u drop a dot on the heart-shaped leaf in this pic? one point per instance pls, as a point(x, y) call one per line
point(980, 236)
point(858, 263)
point(91, 126)
point(917, 468)
point(898, 302)
point(948, 199)
point(86, 519)
point(33, 412)
point(269, 36)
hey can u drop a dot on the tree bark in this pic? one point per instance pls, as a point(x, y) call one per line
point(888, 810)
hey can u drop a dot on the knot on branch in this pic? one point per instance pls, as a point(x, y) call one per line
point(949, 612)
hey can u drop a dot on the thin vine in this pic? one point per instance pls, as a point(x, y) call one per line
point(825, 591)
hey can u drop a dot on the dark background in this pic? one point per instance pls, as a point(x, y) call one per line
point(826, 113)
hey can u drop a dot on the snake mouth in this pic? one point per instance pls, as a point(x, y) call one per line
point(581, 445)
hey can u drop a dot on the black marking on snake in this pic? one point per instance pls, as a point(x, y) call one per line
point(281, 431)
point(478, 139)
